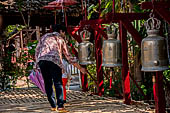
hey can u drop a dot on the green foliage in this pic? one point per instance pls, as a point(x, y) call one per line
point(12, 71)
point(166, 73)
point(31, 47)
point(116, 82)
point(12, 29)
point(136, 94)
point(92, 70)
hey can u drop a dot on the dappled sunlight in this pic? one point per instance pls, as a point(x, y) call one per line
point(32, 100)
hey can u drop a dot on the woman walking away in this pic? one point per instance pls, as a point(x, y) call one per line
point(48, 56)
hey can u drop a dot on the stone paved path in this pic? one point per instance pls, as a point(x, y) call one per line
point(33, 101)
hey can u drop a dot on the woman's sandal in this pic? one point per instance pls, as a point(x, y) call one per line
point(53, 109)
point(62, 110)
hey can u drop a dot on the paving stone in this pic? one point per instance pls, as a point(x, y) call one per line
point(33, 101)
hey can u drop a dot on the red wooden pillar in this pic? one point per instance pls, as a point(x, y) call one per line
point(159, 94)
point(125, 73)
point(84, 82)
point(99, 68)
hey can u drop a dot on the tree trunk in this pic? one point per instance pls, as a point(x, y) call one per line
point(137, 69)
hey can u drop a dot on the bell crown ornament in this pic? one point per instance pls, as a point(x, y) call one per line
point(152, 25)
point(85, 34)
point(111, 31)
point(86, 48)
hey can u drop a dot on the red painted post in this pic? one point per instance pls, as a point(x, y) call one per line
point(125, 74)
point(159, 94)
point(99, 68)
point(84, 81)
point(164, 13)
point(113, 10)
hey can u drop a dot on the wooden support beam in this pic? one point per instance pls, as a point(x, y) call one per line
point(32, 32)
point(125, 73)
point(159, 93)
point(116, 17)
point(95, 27)
point(21, 40)
point(74, 51)
point(75, 36)
point(28, 30)
point(149, 5)
point(38, 33)
point(13, 36)
point(128, 25)
point(96, 21)
point(99, 68)
point(164, 13)
point(84, 81)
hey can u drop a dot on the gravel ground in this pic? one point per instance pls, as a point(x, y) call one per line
point(33, 101)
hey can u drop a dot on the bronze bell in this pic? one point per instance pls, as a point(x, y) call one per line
point(85, 49)
point(112, 49)
point(153, 48)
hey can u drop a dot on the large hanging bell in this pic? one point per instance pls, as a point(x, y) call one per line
point(86, 49)
point(112, 49)
point(153, 48)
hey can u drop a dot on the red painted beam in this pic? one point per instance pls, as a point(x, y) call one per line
point(99, 68)
point(113, 9)
point(164, 13)
point(96, 21)
point(159, 93)
point(149, 5)
point(84, 81)
point(72, 32)
point(125, 74)
point(116, 17)
point(96, 28)
point(128, 25)
point(74, 51)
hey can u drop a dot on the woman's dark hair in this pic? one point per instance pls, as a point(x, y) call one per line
point(58, 27)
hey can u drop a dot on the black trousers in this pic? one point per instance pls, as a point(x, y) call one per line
point(52, 74)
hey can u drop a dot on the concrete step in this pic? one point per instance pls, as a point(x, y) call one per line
point(75, 88)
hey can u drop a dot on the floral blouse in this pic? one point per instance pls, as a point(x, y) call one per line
point(51, 47)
